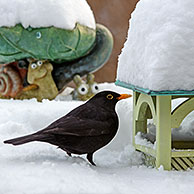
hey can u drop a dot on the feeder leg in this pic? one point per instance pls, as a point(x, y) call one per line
point(134, 115)
point(139, 125)
point(163, 132)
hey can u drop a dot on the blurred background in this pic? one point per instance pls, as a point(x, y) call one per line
point(115, 15)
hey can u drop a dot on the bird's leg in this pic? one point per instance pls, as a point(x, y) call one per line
point(89, 157)
point(69, 153)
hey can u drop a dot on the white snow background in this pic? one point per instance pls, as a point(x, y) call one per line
point(40, 168)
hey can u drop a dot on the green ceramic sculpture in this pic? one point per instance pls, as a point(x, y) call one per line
point(63, 54)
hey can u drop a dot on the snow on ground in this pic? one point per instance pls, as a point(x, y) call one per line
point(44, 13)
point(158, 53)
point(40, 168)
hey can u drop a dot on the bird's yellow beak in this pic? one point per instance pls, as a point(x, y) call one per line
point(123, 96)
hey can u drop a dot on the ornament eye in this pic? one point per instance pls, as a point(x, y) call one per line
point(83, 90)
point(109, 96)
point(33, 66)
point(39, 63)
point(95, 88)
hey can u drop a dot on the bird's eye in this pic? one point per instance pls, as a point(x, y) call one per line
point(39, 63)
point(83, 89)
point(95, 88)
point(33, 66)
point(110, 96)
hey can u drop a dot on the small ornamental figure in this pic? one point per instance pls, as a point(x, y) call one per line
point(85, 89)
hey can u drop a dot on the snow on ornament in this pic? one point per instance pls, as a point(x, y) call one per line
point(158, 53)
point(44, 13)
point(61, 34)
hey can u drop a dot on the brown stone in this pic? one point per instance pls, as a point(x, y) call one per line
point(115, 15)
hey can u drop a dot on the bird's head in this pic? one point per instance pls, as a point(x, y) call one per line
point(108, 99)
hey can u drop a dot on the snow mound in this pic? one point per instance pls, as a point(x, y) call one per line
point(41, 168)
point(44, 13)
point(158, 53)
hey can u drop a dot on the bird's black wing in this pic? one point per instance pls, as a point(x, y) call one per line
point(79, 127)
point(84, 120)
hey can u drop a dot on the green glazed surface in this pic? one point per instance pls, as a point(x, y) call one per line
point(50, 43)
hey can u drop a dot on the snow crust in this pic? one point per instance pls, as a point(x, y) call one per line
point(44, 13)
point(43, 169)
point(158, 53)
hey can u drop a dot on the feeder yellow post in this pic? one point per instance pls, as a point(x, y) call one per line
point(163, 132)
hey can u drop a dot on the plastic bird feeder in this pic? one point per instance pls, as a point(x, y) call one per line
point(153, 100)
point(170, 154)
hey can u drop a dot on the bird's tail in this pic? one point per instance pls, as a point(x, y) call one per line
point(22, 140)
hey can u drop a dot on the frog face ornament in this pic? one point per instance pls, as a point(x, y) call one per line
point(85, 89)
point(41, 84)
point(38, 69)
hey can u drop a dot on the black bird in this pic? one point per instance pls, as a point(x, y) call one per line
point(84, 130)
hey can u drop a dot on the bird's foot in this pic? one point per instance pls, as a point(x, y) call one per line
point(90, 159)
